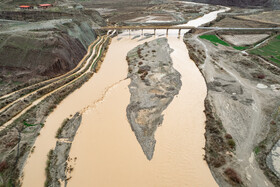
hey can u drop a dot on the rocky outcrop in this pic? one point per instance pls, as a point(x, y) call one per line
point(154, 83)
point(273, 159)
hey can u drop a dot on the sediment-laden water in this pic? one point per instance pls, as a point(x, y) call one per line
point(106, 149)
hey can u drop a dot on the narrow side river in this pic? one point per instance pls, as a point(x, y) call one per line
point(106, 149)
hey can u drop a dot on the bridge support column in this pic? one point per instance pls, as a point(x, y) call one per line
point(129, 31)
point(155, 32)
point(142, 32)
point(166, 32)
point(117, 31)
point(179, 32)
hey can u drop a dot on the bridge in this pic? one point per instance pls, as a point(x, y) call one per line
point(146, 27)
point(179, 28)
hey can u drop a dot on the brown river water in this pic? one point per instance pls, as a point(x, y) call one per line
point(107, 151)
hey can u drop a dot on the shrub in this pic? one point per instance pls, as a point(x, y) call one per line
point(273, 123)
point(232, 175)
point(231, 143)
point(59, 131)
point(261, 76)
point(257, 150)
point(3, 166)
point(228, 136)
point(47, 169)
point(218, 161)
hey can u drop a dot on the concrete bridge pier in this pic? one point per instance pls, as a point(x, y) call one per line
point(129, 31)
point(179, 32)
point(166, 32)
point(155, 32)
point(142, 32)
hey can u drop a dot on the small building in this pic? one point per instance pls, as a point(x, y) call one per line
point(23, 7)
point(45, 5)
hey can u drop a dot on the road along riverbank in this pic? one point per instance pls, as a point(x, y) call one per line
point(47, 136)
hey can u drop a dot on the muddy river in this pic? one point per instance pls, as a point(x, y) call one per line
point(106, 149)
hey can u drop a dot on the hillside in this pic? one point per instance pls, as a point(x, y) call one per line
point(37, 45)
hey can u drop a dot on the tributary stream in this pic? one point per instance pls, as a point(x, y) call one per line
point(106, 149)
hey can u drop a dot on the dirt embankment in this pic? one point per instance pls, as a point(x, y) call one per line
point(154, 83)
point(241, 108)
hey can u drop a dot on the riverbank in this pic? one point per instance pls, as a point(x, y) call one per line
point(239, 111)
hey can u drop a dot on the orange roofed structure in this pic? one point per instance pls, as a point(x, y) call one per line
point(25, 7)
point(45, 5)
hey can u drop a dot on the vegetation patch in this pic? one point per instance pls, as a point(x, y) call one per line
point(231, 143)
point(217, 143)
point(65, 121)
point(216, 40)
point(48, 179)
point(31, 125)
point(270, 51)
point(233, 176)
point(257, 150)
point(240, 47)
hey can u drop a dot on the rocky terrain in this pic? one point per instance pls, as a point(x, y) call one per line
point(242, 110)
point(154, 83)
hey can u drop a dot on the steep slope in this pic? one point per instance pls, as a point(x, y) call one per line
point(51, 43)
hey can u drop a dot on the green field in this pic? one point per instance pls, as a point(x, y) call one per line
point(240, 47)
point(270, 51)
point(215, 40)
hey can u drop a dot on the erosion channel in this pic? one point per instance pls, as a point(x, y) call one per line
point(105, 151)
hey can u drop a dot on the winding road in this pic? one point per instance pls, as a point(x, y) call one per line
point(51, 86)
